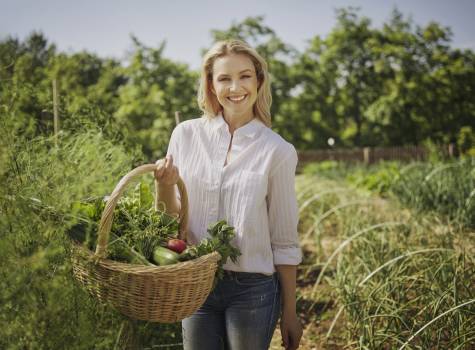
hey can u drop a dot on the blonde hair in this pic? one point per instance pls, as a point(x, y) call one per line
point(208, 102)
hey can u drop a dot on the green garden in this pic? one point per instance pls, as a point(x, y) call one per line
point(389, 248)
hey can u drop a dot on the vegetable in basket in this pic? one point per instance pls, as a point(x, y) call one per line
point(177, 245)
point(165, 256)
point(142, 235)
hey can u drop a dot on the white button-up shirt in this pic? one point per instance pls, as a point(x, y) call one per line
point(254, 192)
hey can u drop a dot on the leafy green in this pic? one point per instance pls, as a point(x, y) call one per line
point(221, 235)
point(137, 229)
point(136, 226)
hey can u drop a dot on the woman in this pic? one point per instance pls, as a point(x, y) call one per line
point(236, 168)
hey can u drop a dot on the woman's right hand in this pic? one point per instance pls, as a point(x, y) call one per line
point(166, 173)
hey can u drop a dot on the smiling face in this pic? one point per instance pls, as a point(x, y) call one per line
point(235, 85)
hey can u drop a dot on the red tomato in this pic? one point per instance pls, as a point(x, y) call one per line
point(177, 245)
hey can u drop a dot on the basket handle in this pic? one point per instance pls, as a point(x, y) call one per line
point(106, 218)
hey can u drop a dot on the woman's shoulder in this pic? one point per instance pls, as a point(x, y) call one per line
point(186, 127)
point(277, 145)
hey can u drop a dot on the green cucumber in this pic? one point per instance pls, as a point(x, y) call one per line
point(165, 256)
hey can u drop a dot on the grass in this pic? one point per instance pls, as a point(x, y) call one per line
point(41, 306)
point(382, 273)
point(447, 188)
point(388, 261)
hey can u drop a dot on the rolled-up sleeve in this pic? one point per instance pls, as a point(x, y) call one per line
point(283, 211)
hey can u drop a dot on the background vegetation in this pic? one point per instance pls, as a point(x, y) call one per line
point(363, 86)
point(389, 256)
point(388, 248)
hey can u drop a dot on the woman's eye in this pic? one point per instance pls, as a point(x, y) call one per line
point(227, 79)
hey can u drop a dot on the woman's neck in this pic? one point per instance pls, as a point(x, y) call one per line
point(236, 121)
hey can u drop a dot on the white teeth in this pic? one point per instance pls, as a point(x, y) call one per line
point(236, 98)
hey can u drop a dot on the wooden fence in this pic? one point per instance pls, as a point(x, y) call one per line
point(370, 155)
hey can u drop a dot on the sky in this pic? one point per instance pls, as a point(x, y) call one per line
point(105, 26)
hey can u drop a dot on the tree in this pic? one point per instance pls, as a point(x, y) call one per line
point(401, 84)
point(25, 89)
point(155, 89)
point(338, 82)
point(428, 88)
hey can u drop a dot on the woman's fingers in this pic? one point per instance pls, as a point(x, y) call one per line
point(285, 338)
point(166, 172)
point(160, 172)
point(169, 164)
point(160, 163)
point(160, 167)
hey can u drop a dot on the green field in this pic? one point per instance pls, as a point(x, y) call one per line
point(388, 269)
point(389, 249)
point(388, 252)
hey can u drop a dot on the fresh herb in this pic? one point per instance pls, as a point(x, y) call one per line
point(220, 237)
point(138, 229)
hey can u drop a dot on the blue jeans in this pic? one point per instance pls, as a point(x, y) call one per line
point(239, 314)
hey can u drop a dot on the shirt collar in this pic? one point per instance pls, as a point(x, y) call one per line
point(249, 130)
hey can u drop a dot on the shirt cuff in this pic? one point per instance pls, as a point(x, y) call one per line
point(290, 255)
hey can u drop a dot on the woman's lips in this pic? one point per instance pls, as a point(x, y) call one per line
point(236, 100)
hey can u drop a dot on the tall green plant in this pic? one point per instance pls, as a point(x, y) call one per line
point(398, 276)
point(445, 188)
point(41, 306)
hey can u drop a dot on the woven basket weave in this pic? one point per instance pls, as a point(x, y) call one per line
point(152, 293)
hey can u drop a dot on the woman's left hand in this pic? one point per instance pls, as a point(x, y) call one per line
point(291, 330)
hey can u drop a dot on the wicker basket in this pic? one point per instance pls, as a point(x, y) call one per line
point(153, 293)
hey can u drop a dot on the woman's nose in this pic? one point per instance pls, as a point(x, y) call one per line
point(234, 86)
